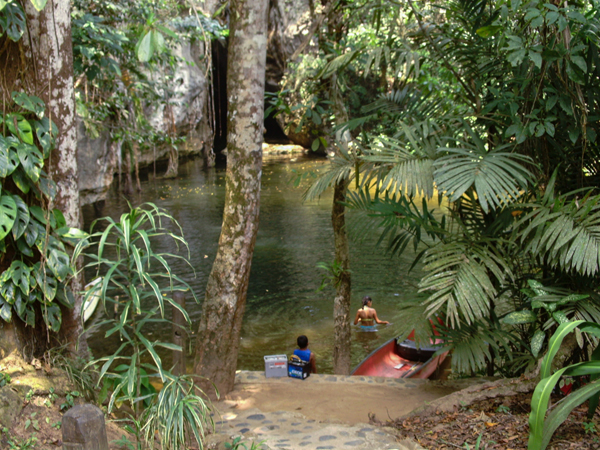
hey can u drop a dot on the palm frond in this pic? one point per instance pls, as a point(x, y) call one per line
point(397, 220)
point(338, 63)
point(404, 165)
point(342, 167)
point(462, 276)
point(473, 345)
point(565, 232)
point(412, 317)
point(497, 176)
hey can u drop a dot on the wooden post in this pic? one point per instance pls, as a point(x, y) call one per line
point(179, 334)
point(83, 428)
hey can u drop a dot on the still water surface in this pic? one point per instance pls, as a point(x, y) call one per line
point(293, 237)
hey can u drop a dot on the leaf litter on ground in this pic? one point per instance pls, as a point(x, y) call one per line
point(502, 423)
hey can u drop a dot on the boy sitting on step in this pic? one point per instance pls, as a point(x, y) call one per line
point(305, 354)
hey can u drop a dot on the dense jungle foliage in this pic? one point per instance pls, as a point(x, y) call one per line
point(490, 106)
point(119, 47)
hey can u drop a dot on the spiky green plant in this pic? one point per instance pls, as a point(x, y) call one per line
point(541, 428)
point(179, 415)
point(139, 282)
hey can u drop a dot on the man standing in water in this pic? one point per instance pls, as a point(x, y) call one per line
point(367, 315)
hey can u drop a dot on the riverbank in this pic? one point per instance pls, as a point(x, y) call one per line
point(321, 412)
point(324, 411)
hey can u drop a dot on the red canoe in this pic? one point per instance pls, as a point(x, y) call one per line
point(401, 360)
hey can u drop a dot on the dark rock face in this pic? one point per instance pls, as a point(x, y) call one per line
point(97, 162)
point(99, 159)
point(289, 25)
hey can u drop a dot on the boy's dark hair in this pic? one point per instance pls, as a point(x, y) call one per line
point(302, 341)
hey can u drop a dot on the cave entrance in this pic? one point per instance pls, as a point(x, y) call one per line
point(273, 133)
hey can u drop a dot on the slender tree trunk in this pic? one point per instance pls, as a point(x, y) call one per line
point(51, 54)
point(225, 300)
point(341, 304)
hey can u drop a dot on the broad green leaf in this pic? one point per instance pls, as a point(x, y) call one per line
point(8, 290)
point(21, 180)
point(552, 17)
point(168, 32)
point(562, 410)
point(537, 22)
point(30, 103)
point(48, 188)
point(12, 20)
point(3, 4)
point(24, 248)
point(45, 134)
point(560, 317)
point(555, 341)
point(13, 157)
point(6, 312)
point(20, 307)
point(515, 58)
point(20, 276)
point(39, 4)
point(72, 233)
point(64, 294)
point(52, 316)
point(60, 220)
point(47, 282)
point(537, 342)
point(59, 264)
point(31, 161)
point(144, 47)
point(539, 406)
point(4, 153)
point(315, 145)
point(536, 58)
point(574, 135)
point(532, 13)
point(38, 213)
point(8, 215)
point(20, 127)
point(520, 317)
point(22, 219)
point(33, 231)
point(158, 41)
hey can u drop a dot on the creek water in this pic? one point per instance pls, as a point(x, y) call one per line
point(293, 237)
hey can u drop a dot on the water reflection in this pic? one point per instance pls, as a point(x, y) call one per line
point(293, 237)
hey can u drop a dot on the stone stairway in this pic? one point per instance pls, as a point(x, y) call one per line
point(290, 429)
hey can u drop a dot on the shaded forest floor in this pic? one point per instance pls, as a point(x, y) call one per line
point(502, 423)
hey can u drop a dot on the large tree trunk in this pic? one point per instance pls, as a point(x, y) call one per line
point(341, 304)
point(223, 308)
point(48, 63)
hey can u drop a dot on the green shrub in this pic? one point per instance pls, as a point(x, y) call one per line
point(541, 427)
